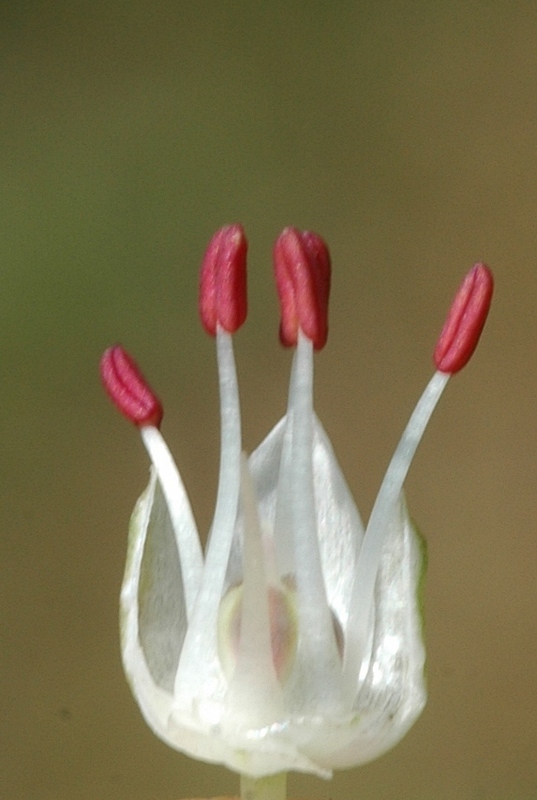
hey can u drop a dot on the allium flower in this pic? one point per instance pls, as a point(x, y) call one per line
point(295, 642)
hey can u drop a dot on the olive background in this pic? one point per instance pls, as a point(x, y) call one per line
point(405, 134)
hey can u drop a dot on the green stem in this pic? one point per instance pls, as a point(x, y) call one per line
point(271, 787)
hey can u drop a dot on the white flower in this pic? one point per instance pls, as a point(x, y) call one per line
point(295, 643)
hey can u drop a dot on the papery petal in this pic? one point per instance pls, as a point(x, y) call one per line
point(153, 611)
point(393, 692)
point(340, 529)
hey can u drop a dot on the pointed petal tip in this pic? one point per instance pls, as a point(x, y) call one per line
point(465, 320)
point(127, 388)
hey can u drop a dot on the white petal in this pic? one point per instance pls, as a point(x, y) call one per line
point(339, 527)
point(153, 610)
point(254, 693)
point(179, 512)
point(393, 693)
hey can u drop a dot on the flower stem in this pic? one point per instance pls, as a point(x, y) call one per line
point(271, 787)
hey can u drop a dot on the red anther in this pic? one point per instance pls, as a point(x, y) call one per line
point(222, 298)
point(465, 320)
point(128, 389)
point(302, 270)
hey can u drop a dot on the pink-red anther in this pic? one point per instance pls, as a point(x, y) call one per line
point(465, 320)
point(222, 297)
point(128, 389)
point(302, 271)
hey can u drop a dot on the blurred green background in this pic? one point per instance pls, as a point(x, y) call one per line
point(404, 133)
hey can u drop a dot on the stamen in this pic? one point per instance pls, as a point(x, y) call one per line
point(222, 307)
point(133, 396)
point(317, 658)
point(357, 633)
point(455, 347)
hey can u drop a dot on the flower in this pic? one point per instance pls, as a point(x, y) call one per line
point(295, 642)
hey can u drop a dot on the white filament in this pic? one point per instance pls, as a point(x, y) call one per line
point(199, 654)
point(371, 550)
point(317, 658)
